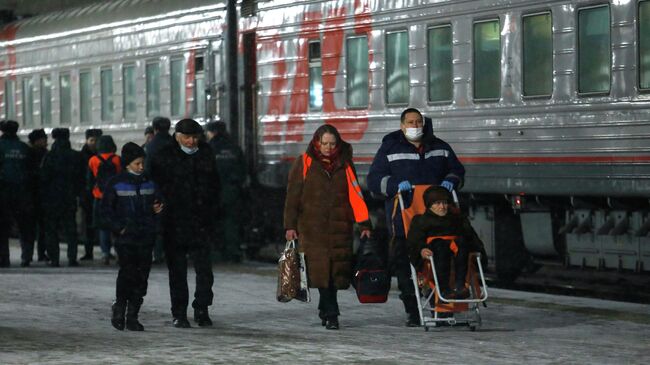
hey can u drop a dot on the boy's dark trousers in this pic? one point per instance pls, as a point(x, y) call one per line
point(135, 265)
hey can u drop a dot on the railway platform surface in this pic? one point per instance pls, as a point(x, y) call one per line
point(61, 316)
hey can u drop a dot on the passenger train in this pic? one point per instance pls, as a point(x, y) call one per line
point(546, 102)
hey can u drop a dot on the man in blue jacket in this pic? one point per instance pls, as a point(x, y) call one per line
point(410, 156)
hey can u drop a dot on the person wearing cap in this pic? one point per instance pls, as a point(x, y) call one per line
point(129, 207)
point(446, 235)
point(17, 174)
point(412, 155)
point(89, 150)
point(232, 171)
point(38, 144)
point(186, 173)
point(161, 138)
point(101, 167)
point(61, 182)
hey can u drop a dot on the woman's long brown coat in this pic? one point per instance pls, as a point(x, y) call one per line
point(319, 210)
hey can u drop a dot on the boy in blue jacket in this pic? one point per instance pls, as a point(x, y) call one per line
point(129, 207)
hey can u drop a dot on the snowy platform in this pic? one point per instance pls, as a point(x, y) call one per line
point(61, 316)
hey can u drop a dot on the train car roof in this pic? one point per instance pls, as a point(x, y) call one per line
point(102, 15)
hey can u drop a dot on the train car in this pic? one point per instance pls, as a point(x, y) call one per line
point(114, 65)
point(545, 102)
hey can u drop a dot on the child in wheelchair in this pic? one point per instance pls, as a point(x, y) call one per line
point(445, 234)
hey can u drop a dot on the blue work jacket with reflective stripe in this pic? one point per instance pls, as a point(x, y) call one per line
point(398, 160)
point(127, 204)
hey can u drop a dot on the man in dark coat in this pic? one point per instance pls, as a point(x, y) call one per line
point(62, 181)
point(232, 171)
point(89, 150)
point(161, 138)
point(186, 173)
point(38, 144)
point(410, 156)
point(17, 174)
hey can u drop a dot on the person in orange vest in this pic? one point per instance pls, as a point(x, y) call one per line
point(323, 202)
point(102, 167)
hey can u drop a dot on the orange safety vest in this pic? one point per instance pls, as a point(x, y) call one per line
point(452, 246)
point(355, 197)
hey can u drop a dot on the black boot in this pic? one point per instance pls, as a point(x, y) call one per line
point(202, 318)
point(117, 319)
point(411, 309)
point(332, 322)
point(132, 323)
point(323, 318)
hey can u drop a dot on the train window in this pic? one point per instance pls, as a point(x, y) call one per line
point(128, 84)
point(10, 98)
point(85, 97)
point(65, 99)
point(487, 60)
point(153, 89)
point(198, 101)
point(594, 54)
point(177, 85)
point(46, 100)
point(537, 55)
point(644, 45)
point(357, 71)
point(441, 85)
point(315, 77)
point(28, 101)
point(107, 94)
point(397, 67)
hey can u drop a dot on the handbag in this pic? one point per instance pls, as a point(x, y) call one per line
point(371, 280)
point(292, 275)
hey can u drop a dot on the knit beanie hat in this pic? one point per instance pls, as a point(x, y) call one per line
point(130, 152)
point(61, 133)
point(435, 193)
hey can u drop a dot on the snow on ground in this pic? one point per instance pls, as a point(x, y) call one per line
point(61, 316)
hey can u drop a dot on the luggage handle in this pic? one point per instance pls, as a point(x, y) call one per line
point(290, 244)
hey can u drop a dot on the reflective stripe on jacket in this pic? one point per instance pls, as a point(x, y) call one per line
point(355, 196)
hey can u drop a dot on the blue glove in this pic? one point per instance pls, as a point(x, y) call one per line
point(447, 185)
point(404, 186)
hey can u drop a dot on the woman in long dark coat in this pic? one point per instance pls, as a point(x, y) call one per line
point(322, 204)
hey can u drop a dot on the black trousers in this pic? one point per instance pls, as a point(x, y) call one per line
point(22, 212)
point(90, 232)
point(402, 269)
point(135, 265)
point(176, 256)
point(327, 303)
point(442, 255)
point(61, 221)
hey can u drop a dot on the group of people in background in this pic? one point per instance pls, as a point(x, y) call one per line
point(169, 198)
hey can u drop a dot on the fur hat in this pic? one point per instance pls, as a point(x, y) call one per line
point(9, 127)
point(130, 152)
point(94, 132)
point(61, 133)
point(105, 144)
point(435, 193)
point(188, 126)
point(36, 134)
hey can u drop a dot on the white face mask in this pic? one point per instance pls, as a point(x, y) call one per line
point(188, 150)
point(133, 172)
point(413, 134)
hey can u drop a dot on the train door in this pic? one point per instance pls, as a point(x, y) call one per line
point(248, 105)
point(214, 84)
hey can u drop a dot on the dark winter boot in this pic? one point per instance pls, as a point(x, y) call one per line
point(411, 309)
point(132, 323)
point(332, 322)
point(202, 318)
point(117, 319)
